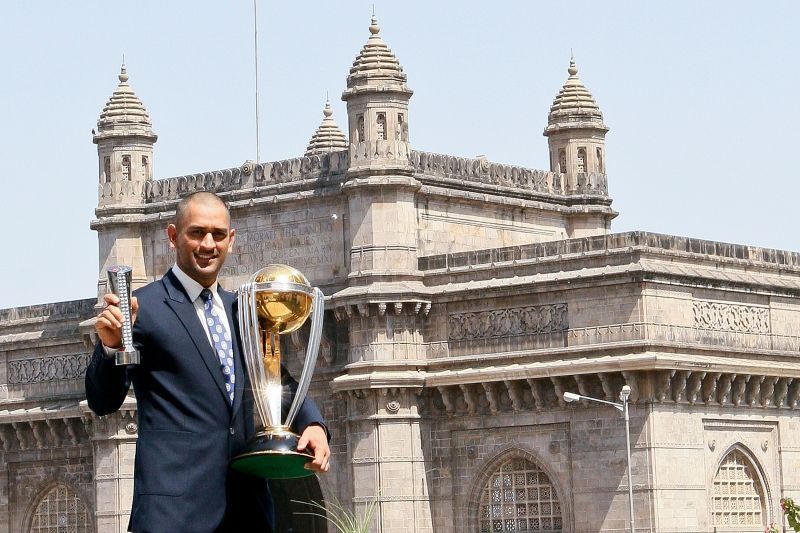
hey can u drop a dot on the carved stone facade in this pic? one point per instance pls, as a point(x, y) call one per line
point(463, 299)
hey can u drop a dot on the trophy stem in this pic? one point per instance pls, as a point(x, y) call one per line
point(272, 369)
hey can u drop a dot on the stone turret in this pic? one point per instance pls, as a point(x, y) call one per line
point(328, 137)
point(576, 135)
point(377, 108)
point(124, 140)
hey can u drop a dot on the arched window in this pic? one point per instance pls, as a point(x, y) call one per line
point(737, 497)
point(402, 128)
point(126, 168)
point(360, 128)
point(519, 497)
point(60, 510)
point(381, 131)
point(145, 167)
point(107, 169)
point(581, 160)
point(600, 167)
point(562, 161)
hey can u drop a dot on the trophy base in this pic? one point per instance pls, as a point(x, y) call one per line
point(127, 357)
point(273, 456)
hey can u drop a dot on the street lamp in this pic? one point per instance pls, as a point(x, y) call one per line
point(623, 395)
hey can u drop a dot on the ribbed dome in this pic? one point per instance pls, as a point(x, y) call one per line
point(124, 112)
point(376, 64)
point(574, 106)
point(328, 137)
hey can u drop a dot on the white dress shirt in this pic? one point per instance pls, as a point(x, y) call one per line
point(193, 289)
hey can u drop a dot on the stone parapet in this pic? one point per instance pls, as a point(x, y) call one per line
point(635, 240)
point(463, 172)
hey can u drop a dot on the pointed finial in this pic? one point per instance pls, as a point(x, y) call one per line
point(374, 28)
point(573, 69)
point(328, 112)
point(123, 74)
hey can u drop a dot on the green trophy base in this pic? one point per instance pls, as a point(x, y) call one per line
point(273, 456)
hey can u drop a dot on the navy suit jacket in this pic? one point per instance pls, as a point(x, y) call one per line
point(188, 431)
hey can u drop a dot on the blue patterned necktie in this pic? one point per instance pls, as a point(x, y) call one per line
point(221, 339)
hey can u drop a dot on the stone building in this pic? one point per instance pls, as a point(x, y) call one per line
point(464, 297)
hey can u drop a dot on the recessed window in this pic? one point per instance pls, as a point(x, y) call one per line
point(107, 169)
point(581, 160)
point(360, 128)
point(145, 167)
point(402, 127)
point(600, 166)
point(59, 510)
point(381, 130)
point(519, 497)
point(737, 498)
point(562, 161)
point(126, 168)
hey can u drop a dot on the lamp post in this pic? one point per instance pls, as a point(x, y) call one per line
point(623, 407)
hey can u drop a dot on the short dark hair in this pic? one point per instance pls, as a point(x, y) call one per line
point(204, 197)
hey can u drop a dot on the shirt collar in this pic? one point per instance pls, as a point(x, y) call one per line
point(193, 289)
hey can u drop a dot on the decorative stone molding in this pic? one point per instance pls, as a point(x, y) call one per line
point(234, 179)
point(43, 434)
point(458, 170)
point(731, 317)
point(667, 386)
point(56, 368)
point(348, 311)
point(531, 320)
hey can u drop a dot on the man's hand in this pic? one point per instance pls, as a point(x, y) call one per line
point(316, 440)
point(109, 321)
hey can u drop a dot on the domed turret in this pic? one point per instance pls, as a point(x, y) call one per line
point(328, 137)
point(377, 108)
point(124, 140)
point(124, 114)
point(576, 133)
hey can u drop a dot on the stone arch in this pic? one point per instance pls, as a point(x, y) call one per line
point(527, 463)
point(61, 506)
point(739, 491)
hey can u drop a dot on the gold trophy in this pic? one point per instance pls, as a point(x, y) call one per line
point(119, 282)
point(277, 300)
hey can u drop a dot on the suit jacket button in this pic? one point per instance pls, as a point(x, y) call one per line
point(231, 430)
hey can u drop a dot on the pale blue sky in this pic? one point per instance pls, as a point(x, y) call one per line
point(701, 99)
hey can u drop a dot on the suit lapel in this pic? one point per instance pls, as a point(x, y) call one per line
point(179, 302)
point(229, 300)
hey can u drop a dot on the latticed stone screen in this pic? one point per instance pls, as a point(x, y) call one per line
point(519, 497)
point(738, 498)
point(60, 511)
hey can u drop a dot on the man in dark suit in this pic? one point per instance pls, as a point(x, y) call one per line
point(194, 400)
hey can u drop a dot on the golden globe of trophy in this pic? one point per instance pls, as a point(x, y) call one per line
point(277, 300)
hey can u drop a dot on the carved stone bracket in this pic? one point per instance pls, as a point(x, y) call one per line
point(345, 312)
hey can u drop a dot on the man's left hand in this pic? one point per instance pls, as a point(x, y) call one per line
point(316, 440)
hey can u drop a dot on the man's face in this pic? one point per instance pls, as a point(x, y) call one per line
point(202, 239)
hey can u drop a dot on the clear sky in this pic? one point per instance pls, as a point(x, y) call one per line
point(701, 99)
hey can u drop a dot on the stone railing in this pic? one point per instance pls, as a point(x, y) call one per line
point(483, 171)
point(249, 175)
point(73, 309)
point(614, 241)
point(385, 152)
point(637, 332)
point(121, 192)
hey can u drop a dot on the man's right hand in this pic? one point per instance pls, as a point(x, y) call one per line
point(109, 321)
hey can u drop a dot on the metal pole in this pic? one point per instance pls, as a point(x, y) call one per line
point(628, 448)
point(255, 47)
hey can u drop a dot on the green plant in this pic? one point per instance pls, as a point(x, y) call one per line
point(792, 512)
point(345, 520)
